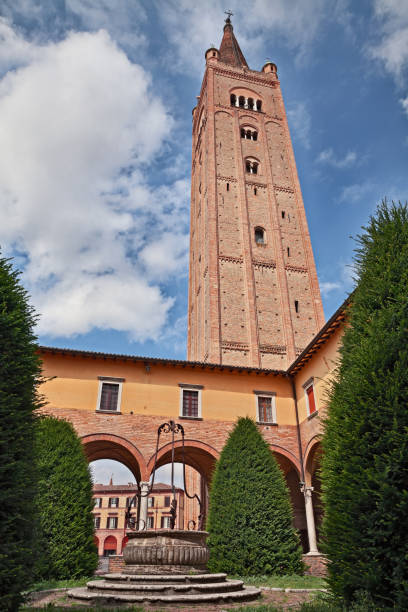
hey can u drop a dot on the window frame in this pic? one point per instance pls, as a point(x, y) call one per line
point(109, 502)
point(270, 395)
point(97, 521)
point(97, 502)
point(167, 519)
point(112, 381)
point(307, 385)
point(114, 519)
point(189, 387)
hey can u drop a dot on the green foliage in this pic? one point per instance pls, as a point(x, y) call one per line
point(250, 518)
point(19, 375)
point(365, 465)
point(64, 503)
point(284, 582)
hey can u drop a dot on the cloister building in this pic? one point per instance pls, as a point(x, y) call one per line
point(257, 342)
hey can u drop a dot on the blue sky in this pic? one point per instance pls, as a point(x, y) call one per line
point(95, 129)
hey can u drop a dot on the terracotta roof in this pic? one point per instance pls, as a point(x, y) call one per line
point(131, 487)
point(230, 52)
point(159, 360)
point(324, 334)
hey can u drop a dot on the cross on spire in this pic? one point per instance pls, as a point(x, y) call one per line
point(230, 14)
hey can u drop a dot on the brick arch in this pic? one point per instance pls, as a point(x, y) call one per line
point(312, 457)
point(198, 455)
point(111, 446)
point(224, 111)
point(245, 91)
point(273, 122)
point(286, 459)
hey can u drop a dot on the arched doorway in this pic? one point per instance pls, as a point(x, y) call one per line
point(200, 460)
point(290, 469)
point(110, 546)
point(109, 446)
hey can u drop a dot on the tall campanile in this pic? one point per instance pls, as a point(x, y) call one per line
point(254, 297)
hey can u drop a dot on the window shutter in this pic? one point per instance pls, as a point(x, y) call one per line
point(311, 399)
point(109, 397)
point(190, 403)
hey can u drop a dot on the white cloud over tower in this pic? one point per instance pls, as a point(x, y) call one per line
point(79, 125)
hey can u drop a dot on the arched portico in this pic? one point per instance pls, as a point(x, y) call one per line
point(110, 446)
point(290, 467)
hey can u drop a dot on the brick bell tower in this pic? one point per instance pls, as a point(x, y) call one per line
point(254, 297)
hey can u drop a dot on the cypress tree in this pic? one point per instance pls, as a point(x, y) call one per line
point(19, 375)
point(64, 503)
point(365, 461)
point(250, 517)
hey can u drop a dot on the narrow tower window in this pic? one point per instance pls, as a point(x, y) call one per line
point(227, 186)
point(254, 135)
point(296, 306)
point(288, 250)
point(255, 191)
point(254, 168)
point(283, 214)
point(258, 105)
point(233, 99)
point(243, 133)
point(241, 101)
point(259, 235)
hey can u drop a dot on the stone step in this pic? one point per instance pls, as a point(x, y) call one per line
point(93, 596)
point(168, 589)
point(166, 578)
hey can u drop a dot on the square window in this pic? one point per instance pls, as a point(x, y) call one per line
point(190, 401)
point(165, 522)
point(166, 501)
point(112, 522)
point(265, 406)
point(150, 502)
point(98, 502)
point(109, 395)
point(97, 522)
point(113, 502)
point(150, 522)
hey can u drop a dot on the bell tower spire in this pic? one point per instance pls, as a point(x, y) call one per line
point(254, 297)
point(230, 51)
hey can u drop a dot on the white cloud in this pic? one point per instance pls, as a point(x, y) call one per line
point(15, 51)
point(300, 123)
point(328, 157)
point(356, 192)
point(74, 202)
point(392, 28)
point(328, 287)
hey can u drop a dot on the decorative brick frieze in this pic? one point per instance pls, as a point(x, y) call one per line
point(285, 189)
point(276, 350)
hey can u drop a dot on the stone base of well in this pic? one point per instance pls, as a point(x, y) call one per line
point(166, 551)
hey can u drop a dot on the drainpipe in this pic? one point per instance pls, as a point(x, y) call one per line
point(302, 467)
point(307, 491)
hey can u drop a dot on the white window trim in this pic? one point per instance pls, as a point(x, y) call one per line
point(111, 380)
point(272, 395)
point(310, 383)
point(187, 387)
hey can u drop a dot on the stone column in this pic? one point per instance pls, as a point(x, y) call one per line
point(311, 528)
point(144, 488)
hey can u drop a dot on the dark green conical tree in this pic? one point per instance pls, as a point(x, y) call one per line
point(64, 502)
point(365, 465)
point(19, 374)
point(250, 517)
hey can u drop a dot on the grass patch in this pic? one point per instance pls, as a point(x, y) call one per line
point(46, 585)
point(284, 582)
